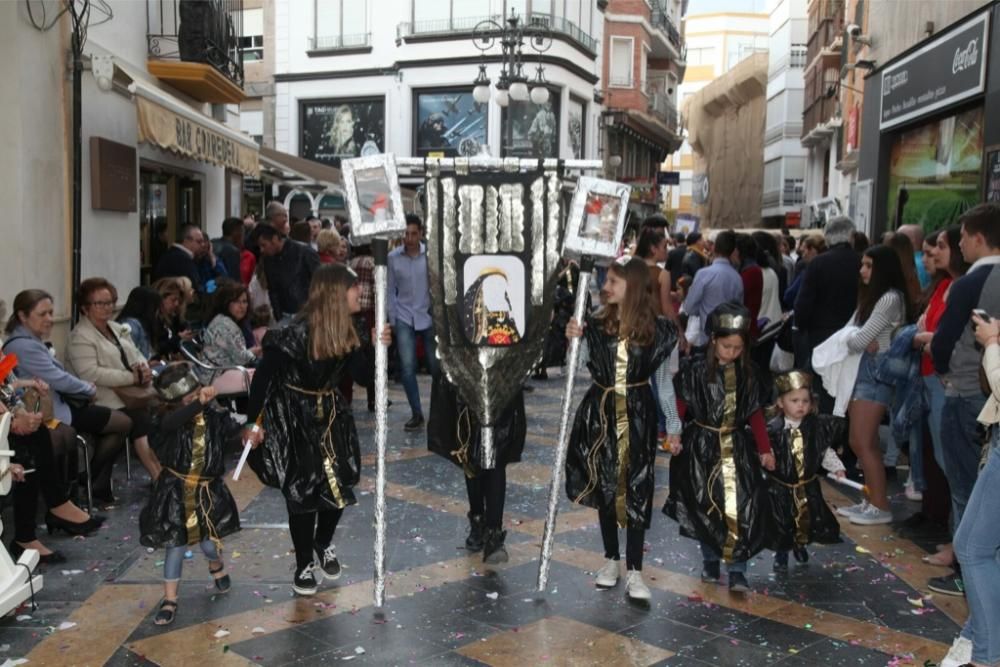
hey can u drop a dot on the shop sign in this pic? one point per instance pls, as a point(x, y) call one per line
point(668, 178)
point(173, 132)
point(946, 70)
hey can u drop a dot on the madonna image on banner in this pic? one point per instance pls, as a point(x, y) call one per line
point(493, 309)
point(335, 130)
point(449, 124)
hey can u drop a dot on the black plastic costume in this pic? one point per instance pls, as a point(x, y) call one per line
point(717, 493)
point(190, 501)
point(800, 512)
point(310, 449)
point(453, 431)
point(556, 345)
point(612, 447)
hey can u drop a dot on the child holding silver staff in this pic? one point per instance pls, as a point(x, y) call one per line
point(717, 492)
point(802, 442)
point(303, 433)
point(612, 447)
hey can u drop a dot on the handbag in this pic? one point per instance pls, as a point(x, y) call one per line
point(136, 398)
point(76, 401)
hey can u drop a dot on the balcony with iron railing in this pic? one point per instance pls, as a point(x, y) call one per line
point(817, 115)
point(662, 107)
point(195, 47)
point(824, 41)
point(464, 26)
point(660, 19)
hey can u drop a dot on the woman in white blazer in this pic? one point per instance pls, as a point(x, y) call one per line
point(101, 351)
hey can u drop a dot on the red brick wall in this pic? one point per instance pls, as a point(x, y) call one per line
point(625, 98)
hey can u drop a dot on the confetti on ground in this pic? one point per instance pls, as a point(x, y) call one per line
point(66, 625)
point(493, 596)
point(221, 633)
point(862, 550)
point(258, 631)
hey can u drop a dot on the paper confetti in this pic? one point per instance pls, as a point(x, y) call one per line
point(221, 633)
point(258, 631)
point(493, 596)
point(66, 625)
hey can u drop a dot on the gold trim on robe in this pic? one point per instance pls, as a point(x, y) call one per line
point(621, 430)
point(727, 462)
point(799, 490)
point(192, 478)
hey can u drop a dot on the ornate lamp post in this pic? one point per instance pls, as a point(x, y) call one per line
point(512, 84)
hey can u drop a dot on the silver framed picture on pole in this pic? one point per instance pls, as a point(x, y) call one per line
point(373, 197)
point(596, 221)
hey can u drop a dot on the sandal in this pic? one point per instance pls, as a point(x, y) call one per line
point(223, 583)
point(165, 616)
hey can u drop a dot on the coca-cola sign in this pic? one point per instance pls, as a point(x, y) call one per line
point(944, 71)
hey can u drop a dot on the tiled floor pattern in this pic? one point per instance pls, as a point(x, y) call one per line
point(847, 606)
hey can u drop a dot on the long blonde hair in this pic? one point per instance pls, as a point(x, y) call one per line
point(331, 331)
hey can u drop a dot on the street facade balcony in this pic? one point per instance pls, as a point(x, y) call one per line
point(325, 43)
point(195, 47)
point(826, 25)
point(819, 121)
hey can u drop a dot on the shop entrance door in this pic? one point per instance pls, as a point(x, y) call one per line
point(167, 202)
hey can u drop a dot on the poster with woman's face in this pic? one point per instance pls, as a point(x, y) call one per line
point(534, 129)
point(449, 124)
point(576, 127)
point(332, 130)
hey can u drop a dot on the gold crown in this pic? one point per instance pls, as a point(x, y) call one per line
point(792, 380)
point(728, 322)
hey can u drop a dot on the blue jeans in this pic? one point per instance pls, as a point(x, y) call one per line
point(406, 346)
point(934, 398)
point(962, 448)
point(977, 547)
point(916, 451)
point(174, 561)
point(709, 554)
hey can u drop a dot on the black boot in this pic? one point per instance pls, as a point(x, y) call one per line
point(801, 554)
point(474, 542)
point(493, 549)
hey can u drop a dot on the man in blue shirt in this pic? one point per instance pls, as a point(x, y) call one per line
point(409, 313)
point(717, 283)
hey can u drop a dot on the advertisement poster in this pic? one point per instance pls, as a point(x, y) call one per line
point(334, 130)
point(533, 130)
point(449, 124)
point(576, 127)
point(935, 171)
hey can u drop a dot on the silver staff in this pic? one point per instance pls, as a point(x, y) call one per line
point(380, 251)
point(555, 489)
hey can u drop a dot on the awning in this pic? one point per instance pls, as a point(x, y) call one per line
point(300, 172)
point(168, 123)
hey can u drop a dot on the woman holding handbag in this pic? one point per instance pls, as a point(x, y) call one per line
point(101, 351)
point(68, 408)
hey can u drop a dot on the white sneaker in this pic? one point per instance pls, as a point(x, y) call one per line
point(871, 516)
point(851, 510)
point(635, 587)
point(912, 494)
point(607, 576)
point(959, 654)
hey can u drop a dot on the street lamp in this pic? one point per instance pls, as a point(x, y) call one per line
point(512, 84)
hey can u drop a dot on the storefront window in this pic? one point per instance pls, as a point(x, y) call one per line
point(935, 171)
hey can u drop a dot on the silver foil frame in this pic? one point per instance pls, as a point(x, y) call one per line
point(596, 221)
point(374, 201)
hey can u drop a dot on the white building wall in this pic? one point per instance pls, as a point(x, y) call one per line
point(396, 75)
point(788, 21)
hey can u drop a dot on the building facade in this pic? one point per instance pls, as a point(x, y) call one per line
point(715, 43)
point(355, 77)
point(784, 156)
point(159, 144)
point(642, 72)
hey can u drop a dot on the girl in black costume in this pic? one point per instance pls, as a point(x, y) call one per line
point(190, 503)
point(803, 444)
point(454, 433)
point(717, 492)
point(310, 445)
point(612, 449)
